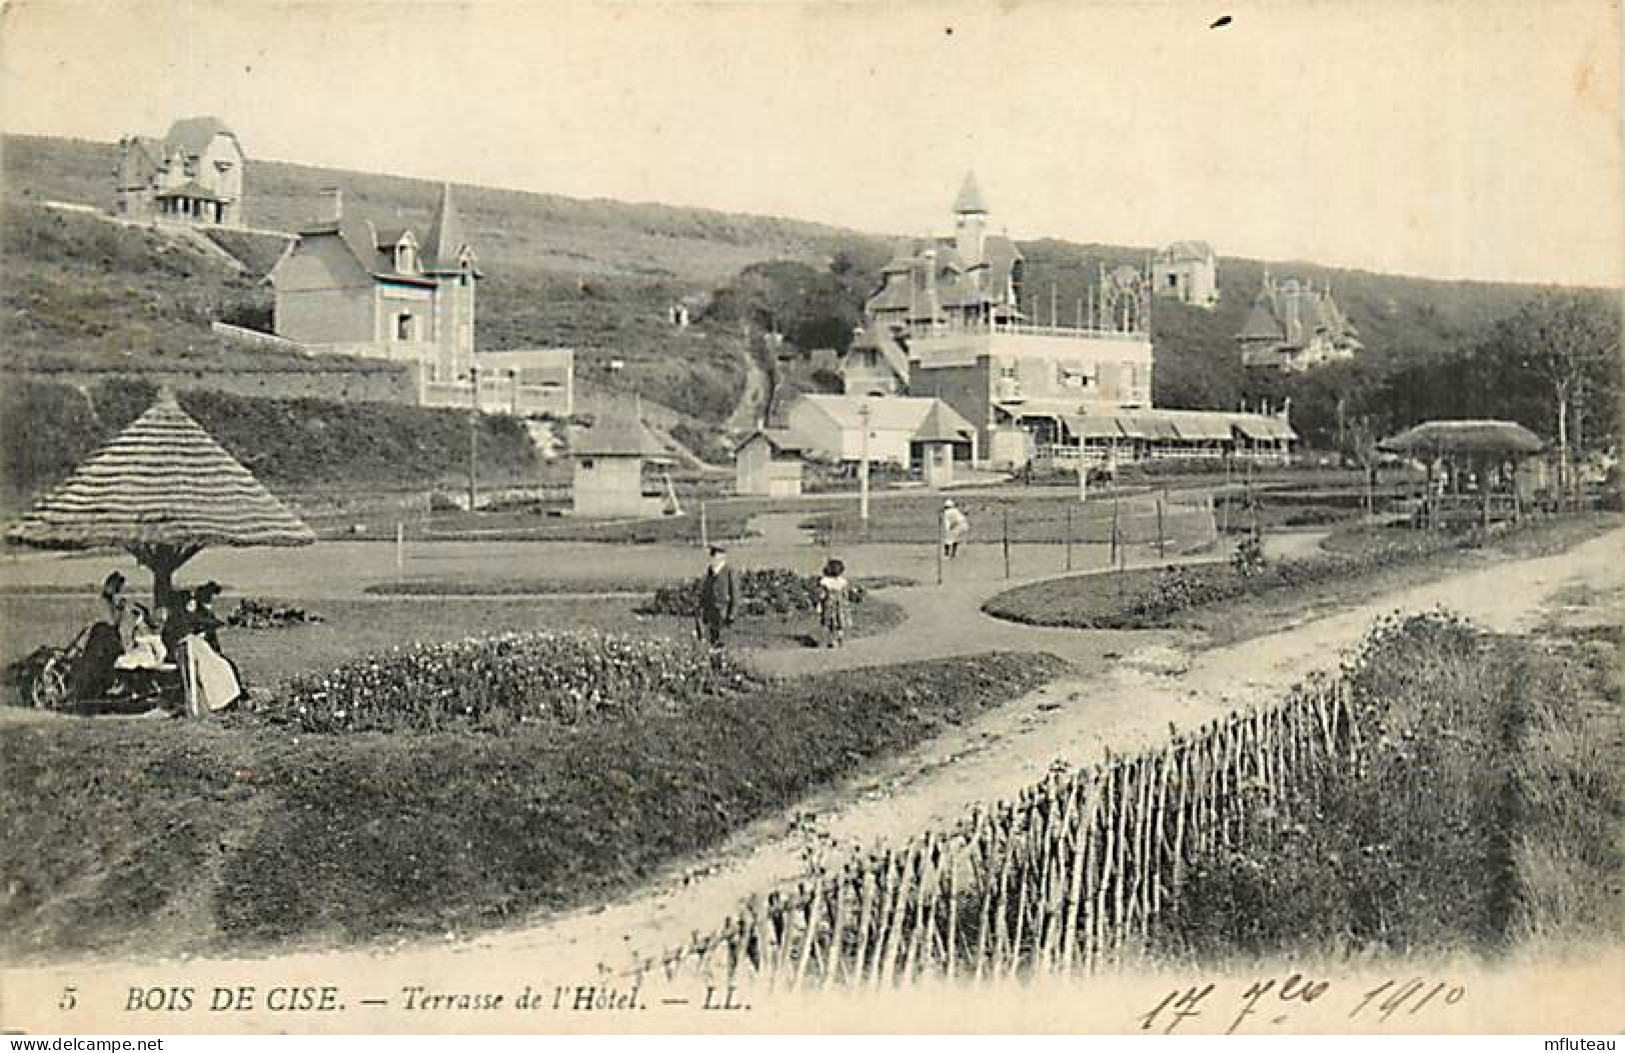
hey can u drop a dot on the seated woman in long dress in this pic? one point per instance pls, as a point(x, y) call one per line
point(94, 671)
point(209, 678)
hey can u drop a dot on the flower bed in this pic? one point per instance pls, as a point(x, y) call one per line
point(260, 614)
point(497, 683)
point(761, 592)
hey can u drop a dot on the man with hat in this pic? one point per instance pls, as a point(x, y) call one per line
point(718, 595)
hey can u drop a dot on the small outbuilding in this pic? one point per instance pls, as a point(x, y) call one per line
point(768, 464)
point(939, 434)
point(609, 464)
point(833, 427)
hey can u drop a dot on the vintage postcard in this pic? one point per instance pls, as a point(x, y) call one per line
point(1095, 517)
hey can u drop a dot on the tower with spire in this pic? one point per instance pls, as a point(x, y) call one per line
point(948, 322)
point(970, 221)
point(449, 259)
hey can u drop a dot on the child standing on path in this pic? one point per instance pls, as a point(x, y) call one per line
point(834, 603)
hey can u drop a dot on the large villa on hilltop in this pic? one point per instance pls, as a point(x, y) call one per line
point(947, 323)
point(193, 175)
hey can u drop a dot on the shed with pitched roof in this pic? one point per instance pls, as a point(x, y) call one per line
point(609, 465)
point(769, 463)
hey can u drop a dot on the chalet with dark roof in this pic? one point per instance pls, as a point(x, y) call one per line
point(1294, 326)
point(349, 286)
point(193, 175)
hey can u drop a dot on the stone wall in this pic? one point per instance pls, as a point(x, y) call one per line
point(395, 384)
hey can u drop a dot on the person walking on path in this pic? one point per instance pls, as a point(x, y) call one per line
point(834, 603)
point(718, 596)
point(955, 525)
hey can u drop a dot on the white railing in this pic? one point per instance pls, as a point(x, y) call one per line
point(1156, 450)
point(1064, 332)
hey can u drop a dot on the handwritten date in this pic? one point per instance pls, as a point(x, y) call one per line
point(1274, 999)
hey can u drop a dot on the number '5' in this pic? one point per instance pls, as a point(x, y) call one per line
point(67, 1001)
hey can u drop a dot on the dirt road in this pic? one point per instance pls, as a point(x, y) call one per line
point(1146, 684)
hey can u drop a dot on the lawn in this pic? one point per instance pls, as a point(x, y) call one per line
point(152, 837)
point(349, 628)
point(725, 520)
point(1034, 515)
point(1214, 597)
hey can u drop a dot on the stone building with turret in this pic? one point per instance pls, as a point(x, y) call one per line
point(947, 323)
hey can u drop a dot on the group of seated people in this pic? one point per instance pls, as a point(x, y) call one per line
point(129, 653)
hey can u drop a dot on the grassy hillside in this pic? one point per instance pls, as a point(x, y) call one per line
point(600, 276)
point(79, 291)
point(46, 429)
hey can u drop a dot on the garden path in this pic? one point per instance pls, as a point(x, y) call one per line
point(945, 620)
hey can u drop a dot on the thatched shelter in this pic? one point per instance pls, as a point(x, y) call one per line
point(164, 490)
point(1486, 453)
point(1465, 439)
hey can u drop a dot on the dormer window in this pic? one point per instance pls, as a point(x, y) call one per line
point(406, 258)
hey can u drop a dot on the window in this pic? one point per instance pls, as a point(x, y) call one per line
point(1075, 376)
point(406, 260)
point(404, 328)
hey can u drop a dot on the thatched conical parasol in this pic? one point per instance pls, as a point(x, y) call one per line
point(1482, 437)
point(164, 490)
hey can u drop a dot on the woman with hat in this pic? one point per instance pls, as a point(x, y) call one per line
point(955, 525)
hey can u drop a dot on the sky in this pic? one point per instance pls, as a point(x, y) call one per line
point(1461, 139)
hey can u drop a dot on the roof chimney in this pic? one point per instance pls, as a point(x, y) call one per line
point(335, 199)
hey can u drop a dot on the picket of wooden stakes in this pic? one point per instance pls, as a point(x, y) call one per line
point(1067, 879)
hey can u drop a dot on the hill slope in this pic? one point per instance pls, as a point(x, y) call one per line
point(598, 276)
point(601, 275)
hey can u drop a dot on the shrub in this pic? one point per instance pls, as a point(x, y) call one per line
point(263, 614)
point(1407, 846)
point(761, 592)
point(494, 684)
point(1248, 559)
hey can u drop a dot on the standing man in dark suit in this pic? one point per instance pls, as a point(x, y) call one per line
point(718, 596)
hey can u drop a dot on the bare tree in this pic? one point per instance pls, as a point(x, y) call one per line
point(1563, 338)
point(1360, 436)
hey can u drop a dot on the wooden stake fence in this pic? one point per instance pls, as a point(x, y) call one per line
point(1065, 880)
